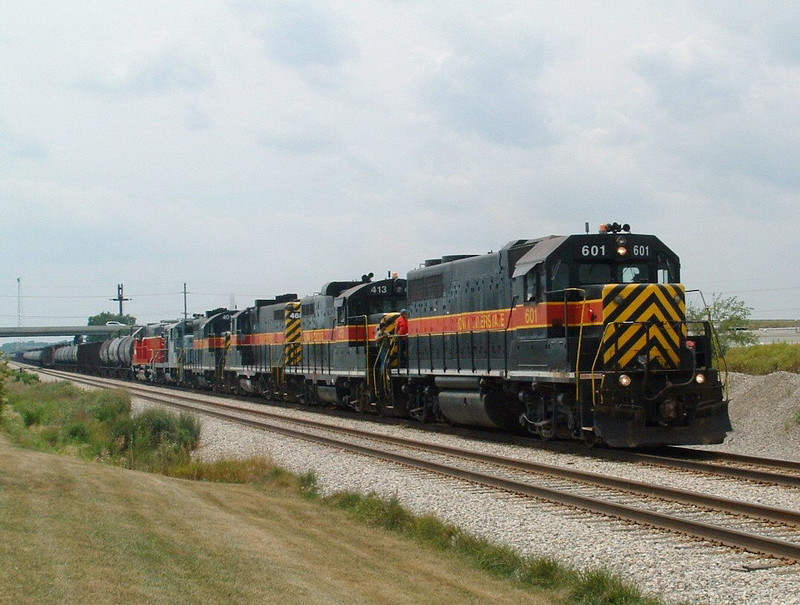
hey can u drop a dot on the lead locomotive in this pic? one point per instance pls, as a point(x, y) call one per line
point(581, 337)
point(576, 337)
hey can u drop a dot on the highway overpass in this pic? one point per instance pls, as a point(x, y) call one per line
point(65, 331)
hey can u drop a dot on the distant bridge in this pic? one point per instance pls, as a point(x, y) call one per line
point(66, 331)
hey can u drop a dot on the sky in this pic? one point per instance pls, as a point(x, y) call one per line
point(252, 148)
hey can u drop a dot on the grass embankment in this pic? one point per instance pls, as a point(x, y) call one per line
point(764, 359)
point(72, 531)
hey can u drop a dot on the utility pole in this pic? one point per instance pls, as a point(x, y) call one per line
point(185, 312)
point(120, 297)
point(19, 302)
point(19, 310)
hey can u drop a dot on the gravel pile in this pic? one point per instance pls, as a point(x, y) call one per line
point(764, 411)
point(678, 569)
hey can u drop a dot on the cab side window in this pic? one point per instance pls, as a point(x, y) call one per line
point(559, 275)
point(534, 284)
point(667, 271)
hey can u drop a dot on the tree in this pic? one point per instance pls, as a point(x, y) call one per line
point(101, 319)
point(730, 317)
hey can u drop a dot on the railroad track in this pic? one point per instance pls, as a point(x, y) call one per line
point(768, 471)
point(742, 525)
point(764, 471)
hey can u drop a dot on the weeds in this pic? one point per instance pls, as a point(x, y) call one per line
point(97, 425)
point(764, 359)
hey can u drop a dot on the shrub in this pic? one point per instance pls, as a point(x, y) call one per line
point(153, 425)
point(188, 430)
point(157, 440)
point(32, 415)
point(111, 405)
point(98, 425)
point(78, 432)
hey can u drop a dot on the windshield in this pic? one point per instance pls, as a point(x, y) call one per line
point(607, 273)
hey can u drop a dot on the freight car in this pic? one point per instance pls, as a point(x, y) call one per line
point(579, 337)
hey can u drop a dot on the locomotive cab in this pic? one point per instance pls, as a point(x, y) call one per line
point(212, 340)
point(365, 305)
point(588, 262)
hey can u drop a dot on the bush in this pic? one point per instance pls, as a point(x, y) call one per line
point(32, 416)
point(111, 405)
point(156, 440)
point(188, 431)
point(154, 425)
point(25, 377)
point(78, 432)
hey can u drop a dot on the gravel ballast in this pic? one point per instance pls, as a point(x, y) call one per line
point(677, 568)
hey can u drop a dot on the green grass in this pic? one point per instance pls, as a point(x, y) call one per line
point(764, 359)
point(97, 425)
point(755, 324)
point(594, 587)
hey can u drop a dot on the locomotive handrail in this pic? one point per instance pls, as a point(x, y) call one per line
point(594, 363)
point(717, 349)
point(580, 337)
point(649, 325)
point(715, 338)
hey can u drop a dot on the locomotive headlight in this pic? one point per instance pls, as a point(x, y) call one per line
point(700, 378)
point(622, 245)
point(625, 380)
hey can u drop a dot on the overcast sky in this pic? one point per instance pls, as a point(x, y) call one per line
point(252, 148)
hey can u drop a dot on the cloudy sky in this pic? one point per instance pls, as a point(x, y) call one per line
point(251, 148)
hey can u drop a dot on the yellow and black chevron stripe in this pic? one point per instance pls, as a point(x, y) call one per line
point(292, 349)
point(643, 319)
